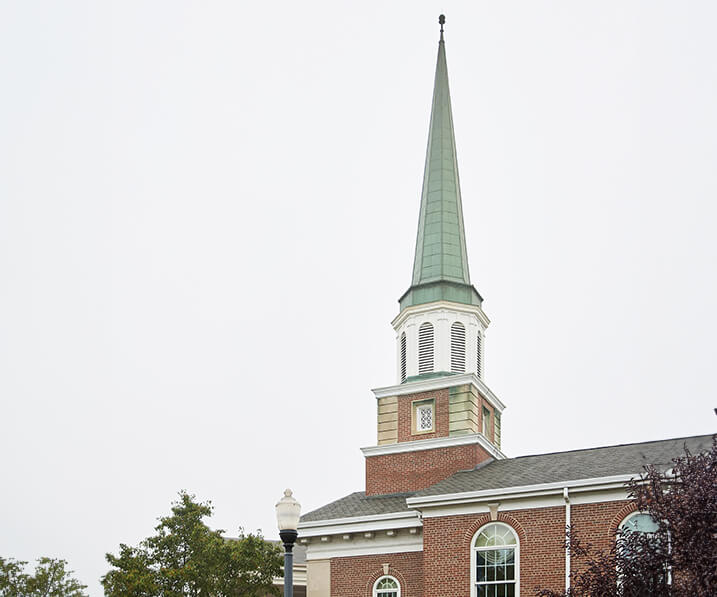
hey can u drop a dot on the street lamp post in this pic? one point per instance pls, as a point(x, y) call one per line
point(288, 511)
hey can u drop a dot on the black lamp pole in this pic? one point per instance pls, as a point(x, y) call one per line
point(289, 538)
point(288, 511)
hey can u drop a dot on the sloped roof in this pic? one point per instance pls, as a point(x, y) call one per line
point(590, 463)
point(358, 504)
point(625, 459)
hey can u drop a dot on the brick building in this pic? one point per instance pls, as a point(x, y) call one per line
point(444, 513)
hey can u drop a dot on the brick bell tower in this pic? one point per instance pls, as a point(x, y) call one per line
point(440, 417)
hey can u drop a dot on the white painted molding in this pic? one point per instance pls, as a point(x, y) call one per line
point(436, 442)
point(360, 546)
point(360, 524)
point(523, 491)
point(439, 306)
point(440, 383)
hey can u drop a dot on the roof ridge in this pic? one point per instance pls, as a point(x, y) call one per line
point(654, 441)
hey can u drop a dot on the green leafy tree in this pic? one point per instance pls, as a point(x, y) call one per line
point(187, 558)
point(51, 579)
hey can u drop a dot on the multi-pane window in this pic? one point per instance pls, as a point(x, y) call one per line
point(486, 422)
point(458, 348)
point(425, 348)
point(636, 530)
point(403, 357)
point(387, 586)
point(495, 562)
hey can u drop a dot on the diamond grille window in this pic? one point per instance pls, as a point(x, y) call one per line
point(403, 357)
point(425, 348)
point(458, 348)
point(424, 418)
point(479, 356)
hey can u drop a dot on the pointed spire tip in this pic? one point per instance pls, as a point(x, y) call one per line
point(441, 22)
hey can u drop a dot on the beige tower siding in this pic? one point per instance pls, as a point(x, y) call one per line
point(463, 410)
point(388, 420)
point(318, 578)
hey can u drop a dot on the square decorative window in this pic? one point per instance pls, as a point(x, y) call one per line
point(423, 415)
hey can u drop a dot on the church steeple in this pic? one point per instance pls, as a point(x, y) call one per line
point(440, 416)
point(440, 268)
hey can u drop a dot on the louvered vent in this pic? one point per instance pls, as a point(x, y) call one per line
point(458, 348)
point(425, 348)
point(479, 356)
point(403, 357)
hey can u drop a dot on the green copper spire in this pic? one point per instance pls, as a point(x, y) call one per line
point(440, 267)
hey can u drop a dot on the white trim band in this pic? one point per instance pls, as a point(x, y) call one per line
point(439, 383)
point(359, 524)
point(577, 485)
point(433, 443)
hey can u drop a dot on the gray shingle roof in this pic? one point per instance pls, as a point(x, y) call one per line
point(625, 459)
point(358, 504)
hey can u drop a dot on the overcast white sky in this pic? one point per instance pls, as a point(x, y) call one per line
point(208, 212)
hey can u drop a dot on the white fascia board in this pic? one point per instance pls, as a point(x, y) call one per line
point(438, 306)
point(360, 524)
point(524, 491)
point(525, 503)
point(436, 442)
point(364, 547)
point(440, 383)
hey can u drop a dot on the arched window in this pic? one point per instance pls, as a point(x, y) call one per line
point(639, 522)
point(495, 563)
point(479, 356)
point(636, 531)
point(458, 348)
point(386, 586)
point(425, 348)
point(403, 357)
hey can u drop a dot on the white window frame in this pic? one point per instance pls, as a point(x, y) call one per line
point(416, 407)
point(636, 513)
point(393, 578)
point(475, 550)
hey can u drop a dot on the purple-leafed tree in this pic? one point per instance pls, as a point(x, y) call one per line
point(676, 557)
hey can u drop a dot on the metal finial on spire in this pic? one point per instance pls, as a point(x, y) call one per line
point(441, 21)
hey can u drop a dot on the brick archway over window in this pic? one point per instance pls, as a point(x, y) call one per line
point(484, 519)
point(619, 517)
point(378, 573)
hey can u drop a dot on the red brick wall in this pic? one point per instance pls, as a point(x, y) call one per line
point(597, 523)
point(354, 577)
point(440, 424)
point(411, 471)
point(447, 546)
point(443, 569)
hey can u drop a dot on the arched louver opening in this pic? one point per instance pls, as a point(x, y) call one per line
point(425, 348)
point(479, 356)
point(458, 348)
point(403, 357)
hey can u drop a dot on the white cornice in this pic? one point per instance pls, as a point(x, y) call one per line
point(523, 491)
point(358, 524)
point(433, 443)
point(438, 306)
point(439, 383)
